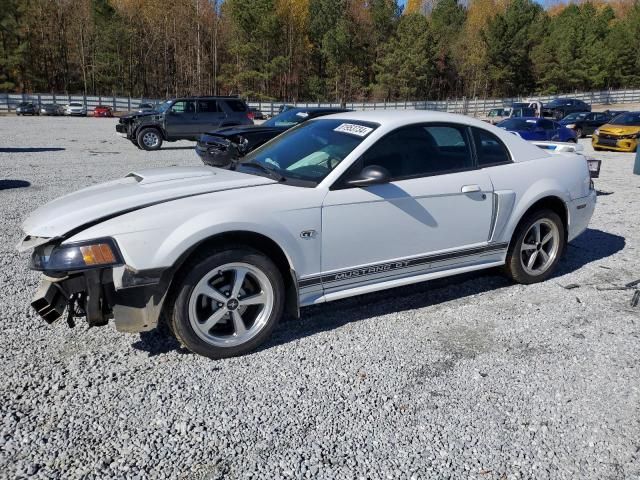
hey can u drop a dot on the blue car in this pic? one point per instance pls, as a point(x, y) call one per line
point(533, 128)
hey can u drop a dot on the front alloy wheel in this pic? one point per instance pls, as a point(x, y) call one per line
point(231, 304)
point(228, 303)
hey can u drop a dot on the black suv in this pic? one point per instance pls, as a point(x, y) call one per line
point(225, 145)
point(561, 107)
point(182, 119)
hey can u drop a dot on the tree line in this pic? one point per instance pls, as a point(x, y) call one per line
point(335, 50)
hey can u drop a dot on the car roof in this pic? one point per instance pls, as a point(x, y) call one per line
point(397, 118)
point(320, 109)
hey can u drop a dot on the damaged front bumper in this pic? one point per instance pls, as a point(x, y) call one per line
point(132, 299)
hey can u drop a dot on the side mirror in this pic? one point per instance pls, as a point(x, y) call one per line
point(371, 175)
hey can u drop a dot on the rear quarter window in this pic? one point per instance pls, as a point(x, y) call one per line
point(489, 149)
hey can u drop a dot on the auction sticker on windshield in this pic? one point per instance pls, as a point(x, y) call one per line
point(353, 129)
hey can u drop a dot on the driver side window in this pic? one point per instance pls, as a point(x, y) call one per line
point(421, 150)
point(184, 106)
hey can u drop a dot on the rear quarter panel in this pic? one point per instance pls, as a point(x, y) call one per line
point(562, 176)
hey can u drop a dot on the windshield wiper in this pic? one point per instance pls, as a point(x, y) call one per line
point(269, 171)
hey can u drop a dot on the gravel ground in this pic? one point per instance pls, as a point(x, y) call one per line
point(470, 377)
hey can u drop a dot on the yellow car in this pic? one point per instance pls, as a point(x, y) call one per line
point(621, 134)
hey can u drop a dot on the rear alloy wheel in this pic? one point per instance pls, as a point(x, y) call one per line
point(228, 303)
point(536, 247)
point(578, 133)
point(149, 139)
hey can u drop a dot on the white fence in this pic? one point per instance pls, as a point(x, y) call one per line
point(469, 106)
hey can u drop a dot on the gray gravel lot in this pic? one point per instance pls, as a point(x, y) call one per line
point(470, 377)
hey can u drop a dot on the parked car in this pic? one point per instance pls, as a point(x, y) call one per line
point(76, 108)
point(496, 115)
point(255, 114)
point(561, 107)
point(532, 128)
point(621, 134)
point(52, 109)
point(27, 108)
point(584, 123)
point(338, 206)
point(102, 111)
point(518, 112)
point(182, 119)
point(221, 147)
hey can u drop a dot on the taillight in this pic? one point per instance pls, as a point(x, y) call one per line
point(250, 115)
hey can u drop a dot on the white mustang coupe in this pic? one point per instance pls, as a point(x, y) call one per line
point(339, 206)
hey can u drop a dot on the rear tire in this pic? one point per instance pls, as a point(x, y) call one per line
point(227, 303)
point(536, 247)
point(149, 139)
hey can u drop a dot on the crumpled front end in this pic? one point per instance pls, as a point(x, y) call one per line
point(97, 288)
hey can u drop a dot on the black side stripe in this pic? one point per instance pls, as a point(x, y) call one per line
point(397, 265)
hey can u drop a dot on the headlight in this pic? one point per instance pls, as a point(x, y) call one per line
point(596, 131)
point(101, 252)
point(571, 125)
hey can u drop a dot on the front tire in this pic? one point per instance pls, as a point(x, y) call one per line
point(149, 139)
point(227, 303)
point(536, 247)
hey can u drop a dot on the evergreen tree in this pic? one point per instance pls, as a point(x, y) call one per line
point(508, 39)
point(407, 68)
point(447, 20)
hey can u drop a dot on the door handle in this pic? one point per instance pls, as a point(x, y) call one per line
point(470, 188)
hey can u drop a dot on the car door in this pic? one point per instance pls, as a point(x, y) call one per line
point(180, 119)
point(435, 210)
point(536, 130)
point(210, 115)
point(548, 130)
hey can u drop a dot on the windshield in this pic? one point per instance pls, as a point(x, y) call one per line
point(164, 106)
point(288, 118)
point(576, 116)
point(518, 124)
point(629, 118)
point(309, 151)
point(75, 104)
point(557, 101)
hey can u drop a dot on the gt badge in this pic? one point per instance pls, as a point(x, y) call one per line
point(307, 234)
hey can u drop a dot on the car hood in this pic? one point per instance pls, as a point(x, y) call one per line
point(131, 115)
point(243, 130)
point(619, 129)
point(136, 190)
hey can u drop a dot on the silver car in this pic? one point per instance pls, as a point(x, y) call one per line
point(76, 108)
